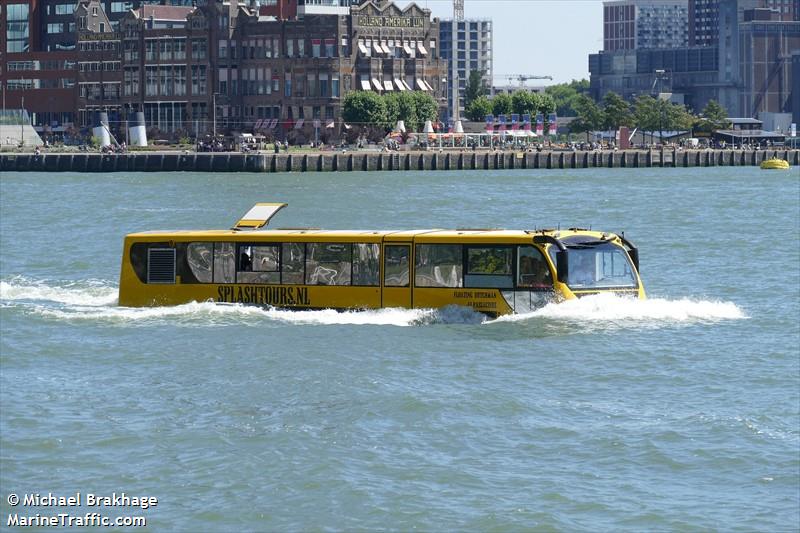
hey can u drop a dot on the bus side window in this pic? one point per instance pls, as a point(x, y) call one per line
point(395, 265)
point(366, 265)
point(293, 263)
point(224, 262)
point(439, 265)
point(532, 269)
point(199, 257)
point(258, 263)
point(328, 263)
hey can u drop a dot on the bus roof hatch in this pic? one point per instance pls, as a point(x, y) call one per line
point(258, 216)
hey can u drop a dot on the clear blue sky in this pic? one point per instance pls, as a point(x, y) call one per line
point(541, 37)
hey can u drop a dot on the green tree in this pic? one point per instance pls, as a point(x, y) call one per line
point(524, 102)
point(392, 102)
point(364, 108)
point(588, 117)
point(646, 114)
point(677, 118)
point(653, 115)
point(616, 112)
point(475, 88)
point(714, 117)
point(426, 108)
point(501, 104)
point(479, 108)
point(564, 96)
point(547, 104)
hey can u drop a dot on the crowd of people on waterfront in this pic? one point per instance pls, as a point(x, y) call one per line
point(395, 145)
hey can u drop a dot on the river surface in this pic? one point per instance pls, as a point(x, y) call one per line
point(681, 412)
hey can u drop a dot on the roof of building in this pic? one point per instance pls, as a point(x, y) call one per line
point(159, 12)
point(750, 134)
point(745, 120)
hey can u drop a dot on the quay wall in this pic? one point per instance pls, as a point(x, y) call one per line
point(383, 161)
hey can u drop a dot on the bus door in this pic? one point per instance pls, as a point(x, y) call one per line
point(396, 283)
point(534, 285)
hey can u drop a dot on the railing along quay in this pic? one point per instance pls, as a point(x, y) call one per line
point(383, 161)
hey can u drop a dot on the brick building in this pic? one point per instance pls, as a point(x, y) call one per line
point(166, 67)
point(46, 81)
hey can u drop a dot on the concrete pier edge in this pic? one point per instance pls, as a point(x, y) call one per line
point(391, 161)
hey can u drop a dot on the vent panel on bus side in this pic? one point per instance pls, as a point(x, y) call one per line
point(161, 265)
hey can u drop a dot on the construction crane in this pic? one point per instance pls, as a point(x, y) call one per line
point(522, 78)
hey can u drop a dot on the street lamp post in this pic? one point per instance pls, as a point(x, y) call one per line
point(214, 103)
point(22, 122)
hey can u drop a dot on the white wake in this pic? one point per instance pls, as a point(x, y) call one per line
point(96, 300)
point(612, 308)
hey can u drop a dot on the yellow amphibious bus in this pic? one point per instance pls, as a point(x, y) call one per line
point(489, 270)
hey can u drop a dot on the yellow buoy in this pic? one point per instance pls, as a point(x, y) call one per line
point(775, 164)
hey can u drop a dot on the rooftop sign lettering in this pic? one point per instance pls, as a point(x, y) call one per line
point(390, 22)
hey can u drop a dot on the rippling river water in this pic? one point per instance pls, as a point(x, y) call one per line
point(678, 412)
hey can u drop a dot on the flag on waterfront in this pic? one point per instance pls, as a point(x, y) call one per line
point(539, 124)
point(553, 120)
point(502, 119)
point(514, 122)
point(489, 123)
point(526, 121)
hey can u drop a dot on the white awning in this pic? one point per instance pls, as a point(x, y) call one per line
point(386, 49)
point(362, 48)
point(407, 50)
point(421, 85)
point(365, 85)
point(299, 124)
point(399, 84)
point(387, 84)
point(376, 46)
point(428, 84)
point(377, 84)
point(421, 49)
point(408, 87)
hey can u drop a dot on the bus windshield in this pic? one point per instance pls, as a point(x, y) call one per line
point(600, 266)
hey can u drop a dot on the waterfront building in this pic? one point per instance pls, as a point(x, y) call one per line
point(692, 74)
point(651, 24)
point(41, 82)
point(767, 44)
point(293, 73)
point(466, 46)
point(705, 16)
point(397, 48)
point(99, 71)
point(166, 67)
point(281, 68)
point(746, 66)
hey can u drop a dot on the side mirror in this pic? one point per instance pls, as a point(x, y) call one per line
point(562, 266)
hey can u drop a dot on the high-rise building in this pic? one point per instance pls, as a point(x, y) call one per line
point(649, 24)
point(704, 16)
point(20, 20)
point(466, 48)
point(767, 42)
point(41, 82)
